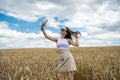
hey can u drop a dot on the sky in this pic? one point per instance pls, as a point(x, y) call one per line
point(20, 20)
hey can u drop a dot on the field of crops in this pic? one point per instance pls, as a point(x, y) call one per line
point(95, 63)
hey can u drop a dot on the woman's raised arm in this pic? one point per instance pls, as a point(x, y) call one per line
point(45, 33)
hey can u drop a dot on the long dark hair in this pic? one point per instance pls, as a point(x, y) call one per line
point(71, 33)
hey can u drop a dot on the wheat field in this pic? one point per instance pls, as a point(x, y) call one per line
point(93, 63)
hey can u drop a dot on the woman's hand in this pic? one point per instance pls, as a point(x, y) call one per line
point(44, 23)
point(77, 33)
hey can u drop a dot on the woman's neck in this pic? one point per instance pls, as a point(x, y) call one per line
point(62, 36)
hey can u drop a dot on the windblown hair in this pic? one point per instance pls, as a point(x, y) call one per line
point(71, 33)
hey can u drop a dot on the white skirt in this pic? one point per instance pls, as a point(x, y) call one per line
point(66, 62)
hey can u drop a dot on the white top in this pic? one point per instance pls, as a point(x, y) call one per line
point(62, 43)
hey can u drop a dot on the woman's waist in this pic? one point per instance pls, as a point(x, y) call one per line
point(61, 51)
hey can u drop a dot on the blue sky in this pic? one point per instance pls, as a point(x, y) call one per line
point(97, 20)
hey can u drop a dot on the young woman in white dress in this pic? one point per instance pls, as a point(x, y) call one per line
point(66, 63)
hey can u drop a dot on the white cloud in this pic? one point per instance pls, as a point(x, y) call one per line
point(53, 34)
point(109, 42)
point(89, 15)
point(14, 39)
point(91, 42)
point(84, 34)
point(29, 10)
point(53, 23)
point(3, 25)
point(95, 12)
point(108, 35)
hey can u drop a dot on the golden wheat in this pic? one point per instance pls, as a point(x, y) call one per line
point(96, 63)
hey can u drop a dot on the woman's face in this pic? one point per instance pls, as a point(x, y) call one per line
point(63, 31)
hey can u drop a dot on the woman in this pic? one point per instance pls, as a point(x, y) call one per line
point(66, 63)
